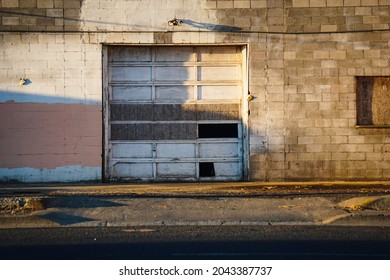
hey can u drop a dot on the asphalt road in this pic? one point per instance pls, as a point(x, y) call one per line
point(196, 242)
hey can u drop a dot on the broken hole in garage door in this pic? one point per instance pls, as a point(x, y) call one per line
point(174, 113)
point(206, 169)
point(217, 130)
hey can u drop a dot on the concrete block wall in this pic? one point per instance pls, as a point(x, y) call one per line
point(50, 127)
point(303, 59)
point(40, 15)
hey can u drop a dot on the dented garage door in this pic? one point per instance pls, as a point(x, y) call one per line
point(173, 113)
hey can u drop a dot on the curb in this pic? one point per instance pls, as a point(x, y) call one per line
point(25, 221)
point(198, 189)
point(378, 203)
point(362, 218)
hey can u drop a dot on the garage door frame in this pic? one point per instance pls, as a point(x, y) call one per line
point(244, 117)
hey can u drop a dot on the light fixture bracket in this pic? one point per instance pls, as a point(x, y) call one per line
point(175, 22)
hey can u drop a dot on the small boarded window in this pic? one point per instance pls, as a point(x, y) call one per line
point(373, 101)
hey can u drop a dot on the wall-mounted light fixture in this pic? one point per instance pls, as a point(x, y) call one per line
point(175, 22)
point(22, 81)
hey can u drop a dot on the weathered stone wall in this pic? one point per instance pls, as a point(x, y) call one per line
point(303, 58)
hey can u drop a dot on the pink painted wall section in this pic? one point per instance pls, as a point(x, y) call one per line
point(48, 136)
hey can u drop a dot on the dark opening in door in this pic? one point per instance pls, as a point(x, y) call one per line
point(206, 169)
point(217, 130)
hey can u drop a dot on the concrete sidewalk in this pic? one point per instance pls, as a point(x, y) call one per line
point(321, 203)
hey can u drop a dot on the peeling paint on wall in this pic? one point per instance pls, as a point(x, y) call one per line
point(60, 174)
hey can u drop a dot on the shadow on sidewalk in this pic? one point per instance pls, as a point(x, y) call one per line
point(65, 219)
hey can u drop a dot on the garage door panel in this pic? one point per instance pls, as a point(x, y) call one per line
point(174, 73)
point(227, 169)
point(144, 131)
point(176, 170)
point(220, 73)
point(174, 93)
point(211, 92)
point(132, 170)
point(131, 112)
point(174, 54)
point(218, 150)
point(174, 113)
point(122, 132)
point(179, 131)
point(131, 93)
point(218, 112)
point(176, 150)
point(218, 54)
point(131, 74)
point(134, 150)
point(129, 54)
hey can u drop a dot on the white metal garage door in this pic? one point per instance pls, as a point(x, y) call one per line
point(174, 113)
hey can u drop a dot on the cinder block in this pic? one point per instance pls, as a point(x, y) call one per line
point(334, 3)
point(27, 4)
point(10, 20)
point(318, 3)
point(370, 2)
point(48, 4)
point(258, 4)
point(59, 4)
point(339, 55)
point(355, 3)
point(329, 28)
point(314, 148)
point(10, 3)
point(225, 4)
point(242, 4)
point(339, 156)
point(371, 19)
point(55, 12)
point(74, 4)
point(300, 3)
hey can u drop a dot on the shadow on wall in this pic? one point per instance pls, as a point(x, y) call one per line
point(211, 26)
point(70, 19)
